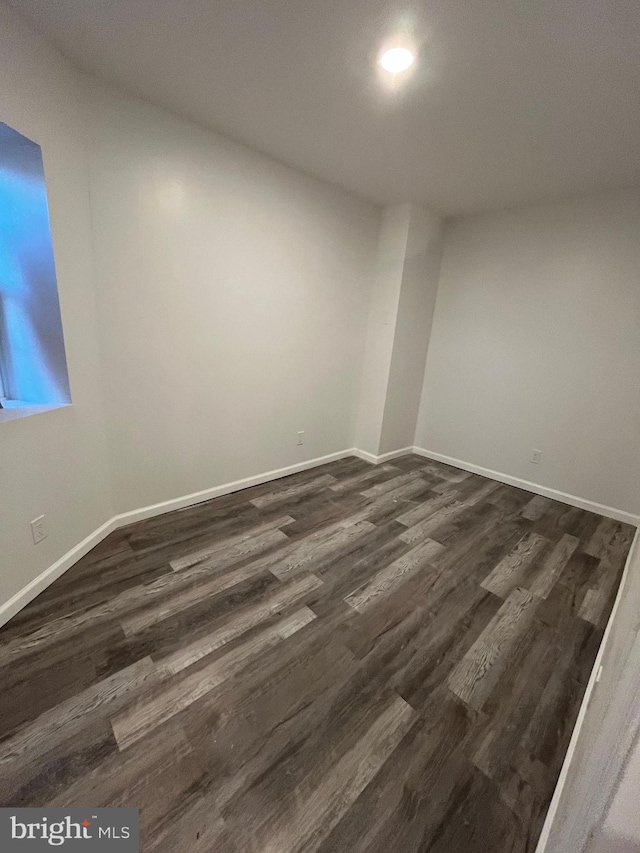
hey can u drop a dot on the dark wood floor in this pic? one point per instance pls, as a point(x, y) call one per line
point(354, 658)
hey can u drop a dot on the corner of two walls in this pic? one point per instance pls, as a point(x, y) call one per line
point(536, 345)
point(399, 327)
point(231, 314)
point(55, 463)
point(213, 304)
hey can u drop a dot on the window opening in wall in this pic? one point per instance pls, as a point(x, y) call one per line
point(33, 367)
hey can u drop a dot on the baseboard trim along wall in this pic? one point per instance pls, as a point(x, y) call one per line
point(15, 604)
point(43, 580)
point(385, 457)
point(593, 680)
point(545, 491)
point(226, 489)
point(48, 576)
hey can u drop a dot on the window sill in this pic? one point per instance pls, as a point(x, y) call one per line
point(13, 409)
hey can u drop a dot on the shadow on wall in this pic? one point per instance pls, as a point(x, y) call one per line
point(605, 841)
point(32, 355)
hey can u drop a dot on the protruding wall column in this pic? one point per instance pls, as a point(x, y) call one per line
point(401, 311)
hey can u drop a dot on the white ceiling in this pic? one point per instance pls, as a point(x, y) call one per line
point(513, 100)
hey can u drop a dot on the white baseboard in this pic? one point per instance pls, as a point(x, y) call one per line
point(15, 604)
point(42, 581)
point(225, 489)
point(545, 491)
point(385, 457)
point(593, 679)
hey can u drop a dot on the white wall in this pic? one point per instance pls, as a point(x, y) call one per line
point(598, 801)
point(234, 297)
point(53, 463)
point(536, 344)
point(401, 309)
point(420, 274)
point(233, 304)
point(381, 326)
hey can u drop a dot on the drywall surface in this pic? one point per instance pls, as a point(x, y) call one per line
point(416, 304)
point(622, 822)
point(398, 329)
point(233, 298)
point(53, 463)
point(381, 326)
point(599, 798)
point(536, 344)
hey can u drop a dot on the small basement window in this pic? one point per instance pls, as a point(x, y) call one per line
point(33, 367)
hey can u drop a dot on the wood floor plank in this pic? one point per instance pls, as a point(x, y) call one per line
point(86, 585)
point(318, 546)
point(427, 508)
point(484, 492)
point(429, 526)
point(479, 822)
point(318, 512)
point(536, 507)
point(235, 627)
point(227, 551)
point(380, 472)
point(552, 565)
point(186, 598)
point(441, 643)
point(597, 597)
point(414, 490)
point(340, 719)
point(404, 804)
point(281, 496)
point(476, 675)
point(390, 505)
point(611, 538)
point(111, 781)
point(345, 575)
point(324, 807)
point(274, 718)
point(393, 576)
point(66, 719)
point(512, 706)
point(445, 472)
point(199, 829)
point(410, 478)
point(132, 724)
point(511, 570)
point(59, 629)
point(353, 659)
point(30, 782)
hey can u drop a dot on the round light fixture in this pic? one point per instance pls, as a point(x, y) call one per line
point(397, 59)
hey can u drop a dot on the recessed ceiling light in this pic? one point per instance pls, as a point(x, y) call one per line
point(397, 59)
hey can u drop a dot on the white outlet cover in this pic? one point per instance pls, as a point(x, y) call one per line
point(38, 529)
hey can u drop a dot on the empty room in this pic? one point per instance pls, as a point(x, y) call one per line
point(319, 426)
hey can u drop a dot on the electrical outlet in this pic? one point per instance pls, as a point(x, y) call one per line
point(536, 456)
point(38, 529)
point(300, 437)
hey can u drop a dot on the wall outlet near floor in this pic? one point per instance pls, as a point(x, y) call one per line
point(300, 437)
point(38, 529)
point(535, 457)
